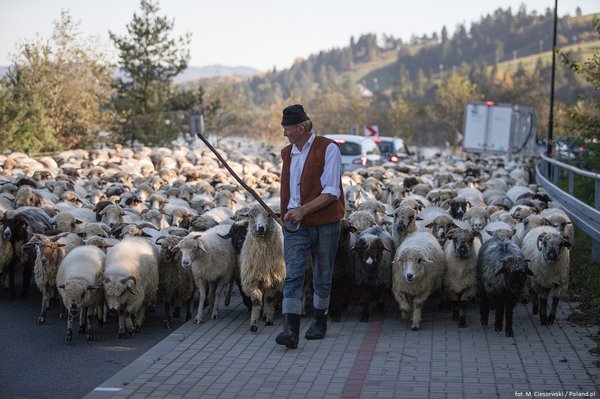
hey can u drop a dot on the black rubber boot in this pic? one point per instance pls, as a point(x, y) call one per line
point(318, 329)
point(291, 331)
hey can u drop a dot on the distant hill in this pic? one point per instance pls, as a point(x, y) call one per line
point(196, 73)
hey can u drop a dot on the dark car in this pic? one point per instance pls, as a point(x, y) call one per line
point(392, 149)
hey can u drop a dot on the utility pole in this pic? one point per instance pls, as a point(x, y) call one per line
point(551, 116)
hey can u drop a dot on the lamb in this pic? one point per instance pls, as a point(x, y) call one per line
point(131, 281)
point(417, 272)
point(50, 251)
point(501, 275)
point(373, 249)
point(262, 267)
point(548, 251)
point(79, 280)
point(175, 283)
point(460, 283)
point(212, 261)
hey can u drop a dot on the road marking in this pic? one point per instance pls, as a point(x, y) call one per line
point(107, 389)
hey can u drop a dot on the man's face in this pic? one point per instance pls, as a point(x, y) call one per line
point(295, 134)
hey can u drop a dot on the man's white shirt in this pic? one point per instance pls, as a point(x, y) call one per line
point(330, 179)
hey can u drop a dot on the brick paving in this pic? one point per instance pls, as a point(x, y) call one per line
point(379, 359)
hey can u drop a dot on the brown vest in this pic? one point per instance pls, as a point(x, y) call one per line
point(310, 184)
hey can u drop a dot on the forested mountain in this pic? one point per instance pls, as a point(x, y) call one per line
point(419, 88)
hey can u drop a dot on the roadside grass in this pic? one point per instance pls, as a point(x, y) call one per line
point(584, 287)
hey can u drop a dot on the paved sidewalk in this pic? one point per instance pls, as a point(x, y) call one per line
point(379, 359)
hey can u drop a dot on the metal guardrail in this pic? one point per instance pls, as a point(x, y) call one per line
point(585, 217)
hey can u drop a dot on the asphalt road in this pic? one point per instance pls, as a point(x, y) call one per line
point(37, 363)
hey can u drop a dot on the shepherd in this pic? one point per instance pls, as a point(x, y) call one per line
point(312, 198)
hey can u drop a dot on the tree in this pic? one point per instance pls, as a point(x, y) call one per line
point(149, 60)
point(584, 118)
point(447, 108)
point(56, 93)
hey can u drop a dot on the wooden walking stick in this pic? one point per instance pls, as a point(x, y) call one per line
point(247, 187)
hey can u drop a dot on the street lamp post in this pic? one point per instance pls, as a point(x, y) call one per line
point(551, 116)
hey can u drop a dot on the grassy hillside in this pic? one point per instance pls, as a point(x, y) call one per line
point(580, 50)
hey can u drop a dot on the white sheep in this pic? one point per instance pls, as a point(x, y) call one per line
point(50, 251)
point(131, 281)
point(73, 220)
point(460, 281)
point(262, 267)
point(78, 279)
point(212, 261)
point(417, 271)
point(548, 252)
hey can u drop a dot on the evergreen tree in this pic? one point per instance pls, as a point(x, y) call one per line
point(149, 59)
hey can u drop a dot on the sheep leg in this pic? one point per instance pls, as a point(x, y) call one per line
point(228, 294)
point(543, 309)
point(462, 314)
point(140, 315)
point(404, 306)
point(129, 323)
point(484, 309)
point(69, 336)
point(499, 313)
point(89, 332)
point(245, 298)
point(188, 311)
point(167, 319)
point(256, 309)
point(510, 305)
point(45, 304)
point(216, 295)
point(455, 310)
point(418, 310)
point(201, 297)
point(535, 303)
point(82, 320)
point(121, 333)
point(269, 311)
point(552, 315)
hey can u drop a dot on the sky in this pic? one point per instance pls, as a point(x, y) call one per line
point(260, 33)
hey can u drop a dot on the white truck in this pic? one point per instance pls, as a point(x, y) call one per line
point(500, 129)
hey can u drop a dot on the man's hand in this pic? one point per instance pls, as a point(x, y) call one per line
point(294, 215)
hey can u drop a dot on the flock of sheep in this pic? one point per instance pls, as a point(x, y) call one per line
point(111, 232)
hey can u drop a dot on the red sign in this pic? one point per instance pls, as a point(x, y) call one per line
point(372, 131)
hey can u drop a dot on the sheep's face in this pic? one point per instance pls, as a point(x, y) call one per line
point(440, 226)
point(117, 291)
point(75, 295)
point(514, 271)
point(112, 215)
point(191, 248)
point(168, 250)
point(521, 212)
point(67, 223)
point(403, 219)
point(353, 197)
point(369, 251)
point(462, 242)
point(551, 245)
point(260, 222)
point(477, 219)
point(237, 234)
point(458, 207)
point(412, 262)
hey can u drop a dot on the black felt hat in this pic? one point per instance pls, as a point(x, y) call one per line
point(293, 115)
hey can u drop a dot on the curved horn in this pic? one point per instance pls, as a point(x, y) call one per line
point(540, 239)
point(124, 280)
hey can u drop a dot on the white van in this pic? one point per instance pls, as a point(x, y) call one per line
point(357, 151)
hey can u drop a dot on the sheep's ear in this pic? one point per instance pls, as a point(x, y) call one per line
point(477, 234)
point(419, 218)
point(540, 239)
point(200, 246)
point(385, 248)
point(566, 242)
point(60, 245)
point(61, 286)
point(225, 237)
point(429, 225)
point(489, 232)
